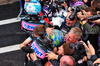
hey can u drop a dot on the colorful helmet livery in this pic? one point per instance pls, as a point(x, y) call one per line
point(57, 37)
point(40, 49)
point(33, 7)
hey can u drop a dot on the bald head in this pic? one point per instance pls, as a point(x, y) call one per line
point(67, 61)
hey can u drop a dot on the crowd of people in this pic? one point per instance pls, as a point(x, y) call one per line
point(80, 46)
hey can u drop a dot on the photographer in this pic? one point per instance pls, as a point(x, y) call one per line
point(95, 5)
point(92, 29)
point(66, 26)
point(71, 23)
point(87, 13)
point(71, 3)
point(74, 22)
point(92, 58)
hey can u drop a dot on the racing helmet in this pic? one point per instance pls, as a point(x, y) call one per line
point(33, 7)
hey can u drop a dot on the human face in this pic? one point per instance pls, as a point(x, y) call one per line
point(60, 50)
point(88, 13)
point(71, 38)
point(68, 21)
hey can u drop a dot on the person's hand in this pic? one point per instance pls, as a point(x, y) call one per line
point(69, 9)
point(84, 58)
point(49, 31)
point(64, 4)
point(87, 51)
point(97, 61)
point(96, 21)
point(79, 15)
point(51, 55)
point(33, 56)
point(28, 56)
point(91, 49)
point(82, 16)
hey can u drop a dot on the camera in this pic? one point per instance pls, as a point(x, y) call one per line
point(78, 48)
point(46, 42)
point(65, 30)
point(95, 17)
point(75, 10)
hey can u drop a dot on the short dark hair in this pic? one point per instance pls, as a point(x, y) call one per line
point(67, 49)
point(39, 30)
point(96, 5)
point(92, 10)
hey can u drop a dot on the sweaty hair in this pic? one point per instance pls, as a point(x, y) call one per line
point(92, 10)
point(67, 49)
point(39, 30)
point(77, 31)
